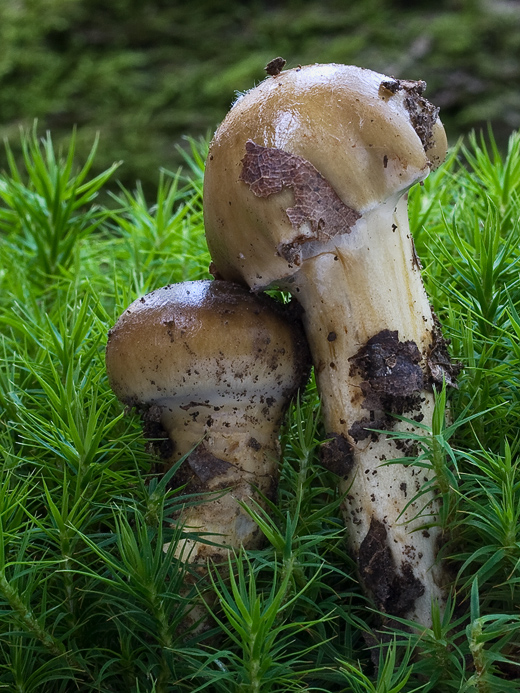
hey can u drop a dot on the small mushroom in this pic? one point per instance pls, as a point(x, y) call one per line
point(211, 367)
point(305, 190)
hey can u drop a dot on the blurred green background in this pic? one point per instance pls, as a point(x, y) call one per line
point(145, 73)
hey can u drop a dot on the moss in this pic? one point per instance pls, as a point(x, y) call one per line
point(144, 74)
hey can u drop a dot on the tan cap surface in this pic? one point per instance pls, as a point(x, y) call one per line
point(203, 341)
point(369, 136)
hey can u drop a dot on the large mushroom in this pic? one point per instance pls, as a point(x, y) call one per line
point(211, 368)
point(305, 190)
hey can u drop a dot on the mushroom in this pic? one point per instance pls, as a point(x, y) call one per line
point(305, 190)
point(212, 369)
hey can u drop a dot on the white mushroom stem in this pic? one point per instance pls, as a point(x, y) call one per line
point(233, 453)
point(361, 283)
point(369, 281)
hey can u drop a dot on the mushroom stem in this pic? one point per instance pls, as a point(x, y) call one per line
point(228, 454)
point(366, 282)
point(366, 287)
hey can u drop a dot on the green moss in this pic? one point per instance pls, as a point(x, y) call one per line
point(143, 74)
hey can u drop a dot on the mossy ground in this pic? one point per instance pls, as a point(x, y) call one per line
point(90, 600)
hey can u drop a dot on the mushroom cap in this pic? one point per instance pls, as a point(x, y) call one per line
point(207, 343)
point(363, 136)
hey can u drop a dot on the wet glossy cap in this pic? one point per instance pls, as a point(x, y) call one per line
point(302, 156)
point(207, 342)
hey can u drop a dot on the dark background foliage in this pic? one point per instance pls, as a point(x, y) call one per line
point(146, 72)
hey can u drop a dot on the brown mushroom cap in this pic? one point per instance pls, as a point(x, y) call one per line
point(369, 136)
